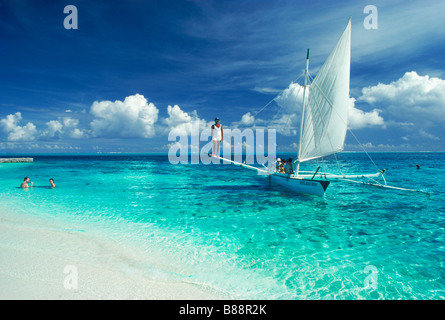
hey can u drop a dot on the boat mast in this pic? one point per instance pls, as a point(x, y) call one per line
point(306, 74)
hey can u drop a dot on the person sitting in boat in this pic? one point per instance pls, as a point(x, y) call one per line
point(288, 167)
point(273, 166)
point(280, 166)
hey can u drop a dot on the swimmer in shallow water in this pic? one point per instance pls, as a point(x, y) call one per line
point(51, 181)
point(25, 182)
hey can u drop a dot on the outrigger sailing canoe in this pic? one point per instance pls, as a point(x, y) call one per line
point(324, 123)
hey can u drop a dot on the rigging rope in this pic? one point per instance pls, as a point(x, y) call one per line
point(288, 118)
point(281, 106)
point(275, 98)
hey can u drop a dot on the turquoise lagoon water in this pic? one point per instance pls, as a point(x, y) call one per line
point(228, 229)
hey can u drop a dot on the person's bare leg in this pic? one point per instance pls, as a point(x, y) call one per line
point(214, 148)
point(217, 148)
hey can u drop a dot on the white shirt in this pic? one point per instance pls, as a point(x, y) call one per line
point(217, 135)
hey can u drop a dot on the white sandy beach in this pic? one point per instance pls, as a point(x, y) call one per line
point(34, 255)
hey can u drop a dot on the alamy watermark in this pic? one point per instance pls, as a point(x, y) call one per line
point(70, 21)
point(371, 281)
point(71, 280)
point(186, 146)
point(371, 20)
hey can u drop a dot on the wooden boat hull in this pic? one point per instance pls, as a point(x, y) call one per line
point(315, 187)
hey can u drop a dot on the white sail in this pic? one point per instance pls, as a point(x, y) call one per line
point(326, 112)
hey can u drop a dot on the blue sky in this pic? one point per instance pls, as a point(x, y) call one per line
point(107, 86)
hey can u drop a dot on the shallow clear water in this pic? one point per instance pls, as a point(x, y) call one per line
point(229, 229)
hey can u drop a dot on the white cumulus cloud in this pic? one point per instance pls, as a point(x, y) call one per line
point(14, 131)
point(247, 119)
point(291, 98)
point(65, 127)
point(180, 122)
point(54, 127)
point(412, 98)
point(358, 119)
point(132, 118)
